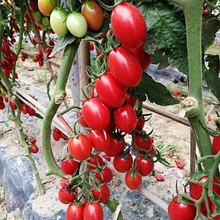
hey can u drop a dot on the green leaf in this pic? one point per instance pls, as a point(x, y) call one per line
point(166, 30)
point(62, 43)
point(112, 205)
point(212, 75)
point(155, 91)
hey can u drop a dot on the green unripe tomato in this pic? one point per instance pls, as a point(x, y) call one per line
point(77, 25)
point(58, 21)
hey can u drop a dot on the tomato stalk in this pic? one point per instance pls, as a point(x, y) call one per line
point(53, 106)
point(193, 105)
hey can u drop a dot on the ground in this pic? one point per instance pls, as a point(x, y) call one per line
point(169, 136)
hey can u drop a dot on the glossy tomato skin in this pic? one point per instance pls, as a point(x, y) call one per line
point(69, 166)
point(93, 211)
point(130, 100)
point(66, 197)
point(144, 166)
point(216, 145)
point(181, 211)
point(123, 164)
point(95, 113)
point(76, 24)
point(133, 180)
point(75, 211)
point(80, 147)
point(116, 146)
point(143, 57)
point(94, 162)
point(125, 67)
point(125, 118)
point(128, 25)
point(105, 176)
point(101, 194)
point(110, 92)
point(46, 6)
point(93, 14)
point(100, 139)
point(58, 21)
point(142, 142)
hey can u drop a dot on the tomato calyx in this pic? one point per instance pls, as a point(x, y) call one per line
point(109, 7)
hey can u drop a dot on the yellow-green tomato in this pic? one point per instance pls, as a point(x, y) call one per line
point(46, 6)
point(58, 21)
point(77, 25)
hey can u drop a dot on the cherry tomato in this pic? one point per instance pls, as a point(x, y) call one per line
point(93, 14)
point(130, 100)
point(123, 164)
point(143, 166)
point(216, 145)
point(66, 197)
point(76, 24)
point(69, 166)
point(94, 162)
point(46, 6)
point(116, 146)
point(142, 142)
point(80, 147)
point(140, 123)
point(181, 211)
point(125, 118)
point(125, 67)
point(93, 211)
point(58, 21)
point(34, 149)
point(81, 120)
point(105, 175)
point(100, 139)
point(110, 92)
point(31, 111)
point(128, 25)
point(75, 211)
point(101, 194)
point(24, 109)
point(133, 180)
point(95, 113)
point(13, 105)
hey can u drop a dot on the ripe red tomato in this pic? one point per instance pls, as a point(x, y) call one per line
point(102, 193)
point(66, 197)
point(116, 146)
point(143, 57)
point(81, 119)
point(216, 145)
point(125, 118)
point(130, 100)
point(181, 211)
point(110, 92)
point(128, 25)
point(93, 211)
point(34, 149)
point(75, 211)
point(24, 109)
point(13, 56)
point(6, 48)
point(125, 67)
point(93, 14)
point(105, 176)
point(95, 113)
point(100, 139)
point(140, 123)
point(80, 147)
point(94, 162)
point(123, 164)
point(31, 111)
point(13, 105)
point(142, 143)
point(143, 166)
point(133, 180)
point(69, 166)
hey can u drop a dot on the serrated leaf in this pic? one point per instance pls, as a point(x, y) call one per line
point(155, 91)
point(62, 43)
point(212, 75)
point(166, 29)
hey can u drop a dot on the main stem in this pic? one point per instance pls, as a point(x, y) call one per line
point(66, 63)
point(193, 17)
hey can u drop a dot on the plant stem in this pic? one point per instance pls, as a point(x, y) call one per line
point(53, 106)
point(193, 16)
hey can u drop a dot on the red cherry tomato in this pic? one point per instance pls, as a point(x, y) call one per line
point(75, 211)
point(101, 194)
point(93, 211)
point(69, 166)
point(142, 142)
point(95, 162)
point(125, 67)
point(216, 145)
point(105, 175)
point(66, 197)
point(178, 210)
point(133, 180)
point(123, 164)
point(128, 25)
point(34, 149)
point(143, 166)
point(80, 147)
